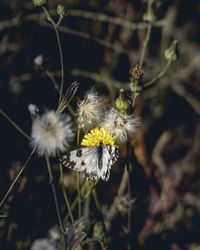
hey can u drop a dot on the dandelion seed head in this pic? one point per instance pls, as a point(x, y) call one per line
point(90, 111)
point(33, 109)
point(97, 136)
point(39, 60)
point(51, 132)
point(121, 125)
point(42, 244)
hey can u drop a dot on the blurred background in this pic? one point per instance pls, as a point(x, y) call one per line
point(101, 41)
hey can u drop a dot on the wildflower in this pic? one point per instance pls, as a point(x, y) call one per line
point(90, 111)
point(121, 125)
point(96, 158)
point(137, 72)
point(98, 136)
point(51, 132)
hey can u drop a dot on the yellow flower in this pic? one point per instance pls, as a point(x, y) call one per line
point(97, 136)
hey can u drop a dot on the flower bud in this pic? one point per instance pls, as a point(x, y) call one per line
point(171, 54)
point(99, 230)
point(122, 103)
point(39, 2)
point(149, 16)
point(61, 10)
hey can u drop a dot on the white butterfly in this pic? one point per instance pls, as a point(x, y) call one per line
point(95, 162)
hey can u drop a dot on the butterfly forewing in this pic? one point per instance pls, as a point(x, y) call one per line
point(77, 159)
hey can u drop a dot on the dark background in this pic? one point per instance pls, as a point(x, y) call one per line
point(166, 173)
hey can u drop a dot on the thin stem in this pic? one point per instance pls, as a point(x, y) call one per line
point(113, 20)
point(79, 194)
point(59, 21)
point(129, 191)
point(17, 177)
point(78, 180)
point(89, 191)
point(52, 78)
point(96, 200)
point(49, 18)
point(14, 124)
point(157, 77)
point(129, 197)
point(76, 200)
point(65, 194)
point(87, 202)
point(54, 193)
point(145, 44)
point(61, 64)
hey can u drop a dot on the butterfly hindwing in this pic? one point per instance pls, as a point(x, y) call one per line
point(110, 155)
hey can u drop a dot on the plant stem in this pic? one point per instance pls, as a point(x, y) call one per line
point(65, 194)
point(129, 191)
point(49, 18)
point(156, 78)
point(87, 201)
point(51, 180)
point(78, 179)
point(61, 64)
point(76, 199)
point(145, 44)
point(96, 200)
point(129, 197)
point(14, 124)
point(17, 177)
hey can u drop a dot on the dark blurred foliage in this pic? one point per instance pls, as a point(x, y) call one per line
point(165, 176)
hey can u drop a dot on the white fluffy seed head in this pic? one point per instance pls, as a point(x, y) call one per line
point(120, 125)
point(51, 132)
point(33, 109)
point(90, 111)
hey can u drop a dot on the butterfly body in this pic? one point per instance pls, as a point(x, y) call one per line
point(94, 162)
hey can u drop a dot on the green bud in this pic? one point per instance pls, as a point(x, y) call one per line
point(149, 16)
point(171, 54)
point(122, 103)
point(99, 230)
point(61, 10)
point(39, 2)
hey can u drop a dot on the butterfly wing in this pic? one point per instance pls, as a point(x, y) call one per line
point(77, 159)
point(110, 156)
point(88, 160)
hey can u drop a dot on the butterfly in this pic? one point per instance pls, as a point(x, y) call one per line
point(94, 162)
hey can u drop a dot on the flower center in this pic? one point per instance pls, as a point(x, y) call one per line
point(98, 136)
